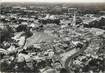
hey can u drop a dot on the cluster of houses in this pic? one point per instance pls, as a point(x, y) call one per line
point(37, 41)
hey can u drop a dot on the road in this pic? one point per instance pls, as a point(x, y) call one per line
point(68, 57)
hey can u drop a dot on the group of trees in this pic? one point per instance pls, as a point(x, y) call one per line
point(49, 21)
point(96, 24)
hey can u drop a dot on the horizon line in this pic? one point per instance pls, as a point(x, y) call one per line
point(51, 2)
point(54, 1)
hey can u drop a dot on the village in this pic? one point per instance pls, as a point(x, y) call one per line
point(51, 38)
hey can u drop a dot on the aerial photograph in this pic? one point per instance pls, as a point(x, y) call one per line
point(52, 36)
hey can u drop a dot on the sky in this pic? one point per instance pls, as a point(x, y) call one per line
point(51, 1)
